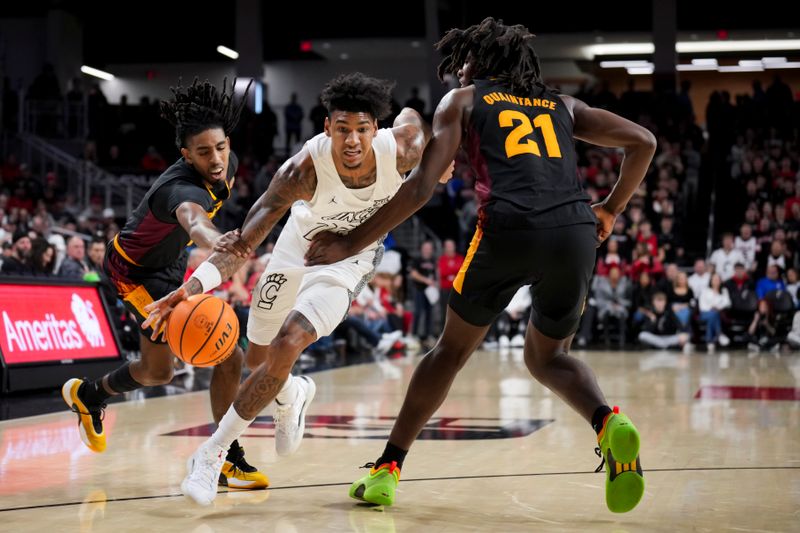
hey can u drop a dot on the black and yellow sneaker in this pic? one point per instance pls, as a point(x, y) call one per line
point(619, 449)
point(238, 474)
point(90, 417)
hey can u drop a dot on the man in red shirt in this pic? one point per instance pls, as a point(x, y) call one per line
point(449, 265)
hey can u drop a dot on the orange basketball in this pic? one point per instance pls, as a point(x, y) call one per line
point(202, 330)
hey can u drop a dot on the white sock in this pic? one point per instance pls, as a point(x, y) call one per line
point(230, 427)
point(288, 393)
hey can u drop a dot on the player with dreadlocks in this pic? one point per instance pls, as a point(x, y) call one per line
point(535, 226)
point(147, 260)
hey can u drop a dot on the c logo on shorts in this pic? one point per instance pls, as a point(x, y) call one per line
point(269, 291)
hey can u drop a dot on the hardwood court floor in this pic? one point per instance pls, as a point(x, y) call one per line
point(503, 454)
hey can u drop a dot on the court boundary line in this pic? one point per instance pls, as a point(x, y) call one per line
point(444, 478)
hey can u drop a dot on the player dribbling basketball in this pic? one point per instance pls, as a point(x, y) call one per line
point(147, 260)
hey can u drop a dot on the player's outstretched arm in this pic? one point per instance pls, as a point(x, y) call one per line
point(603, 128)
point(295, 180)
point(194, 219)
point(436, 161)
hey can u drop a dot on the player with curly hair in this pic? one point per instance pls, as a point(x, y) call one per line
point(147, 260)
point(336, 182)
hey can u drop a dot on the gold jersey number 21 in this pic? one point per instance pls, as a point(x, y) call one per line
point(514, 146)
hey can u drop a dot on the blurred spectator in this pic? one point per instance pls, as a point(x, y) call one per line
point(449, 264)
point(661, 328)
point(96, 256)
point(739, 281)
point(671, 243)
point(423, 273)
point(647, 236)
point(43, 258)
point(723, 259)
point(513, 320)
point(18, 261)
point(775, 257)
point(792, 284)
point(415, 102)
point(293, 126)
point(770, 282)
point(681, 299)
point(763, 330)
point(317, 116)
point(613, 297)
point(152, 161)
point(793, 338)
point(713, 300)
point(74, 265)
point(643, 291)
point(746, 244)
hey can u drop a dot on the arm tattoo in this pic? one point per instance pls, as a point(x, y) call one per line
point(302, 322)
point(411, 142)
point(294, 181)
point(256, 393)
point(193, 286)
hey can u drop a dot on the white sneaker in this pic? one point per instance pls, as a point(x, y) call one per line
point(518, 341)
point(724, 340)
point(504, 341)
point(710, 347)
point(290, 419)
point(204, 467)
point(387, 341)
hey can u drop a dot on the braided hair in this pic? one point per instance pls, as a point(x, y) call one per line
point(200, 106)
point(496, 50)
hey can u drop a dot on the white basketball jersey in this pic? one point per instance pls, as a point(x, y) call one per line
point(334, 207)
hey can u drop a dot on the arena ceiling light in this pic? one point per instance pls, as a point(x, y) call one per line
point(693, 47)
point(636, 71)
point(760, 45)
point(741, 68)
point(788, 64)
point(625, 63)
point(224, 50)
point(705, 62)
point(97, 73)
point(695, 68)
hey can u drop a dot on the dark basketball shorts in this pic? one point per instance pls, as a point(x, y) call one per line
point(139, 286)
point(556, 262)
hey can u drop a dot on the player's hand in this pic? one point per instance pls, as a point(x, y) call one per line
point(161, 309)
point(327, 248)
point(605, 222)
point(448, 173)
point(232, 243)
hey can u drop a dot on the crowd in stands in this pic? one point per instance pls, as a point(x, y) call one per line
point(655, 285)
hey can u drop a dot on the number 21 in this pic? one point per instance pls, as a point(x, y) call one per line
point(513, 144)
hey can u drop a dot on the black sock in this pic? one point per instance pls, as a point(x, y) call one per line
point(93, 393)
point(392, 453)
point(119, 381)
point(234, 451)
point(598, 417)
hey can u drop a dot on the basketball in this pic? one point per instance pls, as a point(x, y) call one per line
point(202, 330)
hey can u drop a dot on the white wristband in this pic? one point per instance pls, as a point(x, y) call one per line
point(208, 275)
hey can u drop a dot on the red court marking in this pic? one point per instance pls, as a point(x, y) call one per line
point(726, 392)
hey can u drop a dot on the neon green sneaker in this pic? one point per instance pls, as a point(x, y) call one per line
point(619, 448)
point(378, 486)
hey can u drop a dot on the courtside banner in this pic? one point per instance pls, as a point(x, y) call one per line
point(49, 323)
